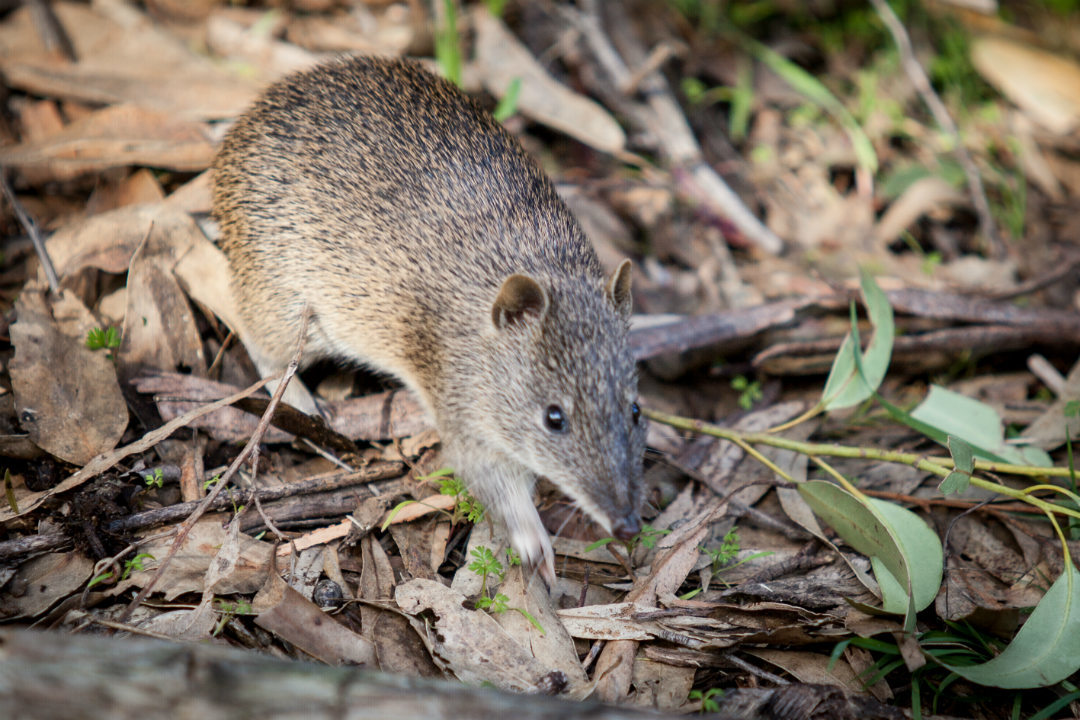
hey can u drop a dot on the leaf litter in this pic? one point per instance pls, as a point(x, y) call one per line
point(108, 152)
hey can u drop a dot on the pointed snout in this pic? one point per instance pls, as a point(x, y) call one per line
point(626, 527)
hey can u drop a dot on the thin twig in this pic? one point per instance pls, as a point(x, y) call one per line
point(31, 229)
point(944, 120)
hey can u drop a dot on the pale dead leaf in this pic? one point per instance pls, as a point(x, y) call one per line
point(316, 537)
point(189, 569)
point(420, 508)
point(661, 687)
point(272, 58)
point(501, 58)
point(183, 625)
point(46, 579)
point(675, 558)
point(469, 643)
point(614, 621)
point(67, 395)
point(554, 647)
point(922, 197)
point(159, 324)
point(811, 667)
point(139, 188)
point(388, 30)
point(1042, 84)
point(115, 136)
point(194, 196)
point(1053, 426)
point(108, 241)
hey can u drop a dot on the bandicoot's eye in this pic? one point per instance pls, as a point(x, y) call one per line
point(635, 412)
point(554, 418)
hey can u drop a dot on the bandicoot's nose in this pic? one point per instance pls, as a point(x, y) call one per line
point(626, 527)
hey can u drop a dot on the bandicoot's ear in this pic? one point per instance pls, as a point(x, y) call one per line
point(521, 299)
point(618, 288)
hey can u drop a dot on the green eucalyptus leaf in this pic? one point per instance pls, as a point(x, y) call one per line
point(852, 382)
point(955, 482)
point(1047, 648)
point(905, 551)
point(976, 424)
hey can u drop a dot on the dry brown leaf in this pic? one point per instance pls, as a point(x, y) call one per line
point(676, 556)
point(297, 620)
point(501, 58)
point(67, 395)
point(193, 197)
point(420, 508)
point(661, 687)
point(188, 569)
point(1053, 426)
point(553, 647)
point(138, 188)
point(1043, 84)
point(115, 136)
point(922, 197)
point(43, 581)
point(469, 644)
point(109, 240)
point(123, 57)
point(608, 622)
point(183, 625)
point(180, 394)
point(811, 667)
point(399, 648)
point(320, 536)
point(159, 324)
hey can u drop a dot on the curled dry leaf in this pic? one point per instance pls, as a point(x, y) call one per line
point(67, 395)
point(502, 58)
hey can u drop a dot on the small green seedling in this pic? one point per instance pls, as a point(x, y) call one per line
point(155, 479)
point(486, 565)
point(707, 698)
point(135, 564)
point(103, 338)
point(646, 538)
point(749, 391)
point(211, 482)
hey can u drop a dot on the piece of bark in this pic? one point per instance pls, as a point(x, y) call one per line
point(46, 676)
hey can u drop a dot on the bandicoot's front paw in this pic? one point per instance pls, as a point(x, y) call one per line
point(537, 555)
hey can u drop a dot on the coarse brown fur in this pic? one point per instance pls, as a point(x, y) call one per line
point(426, 244)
